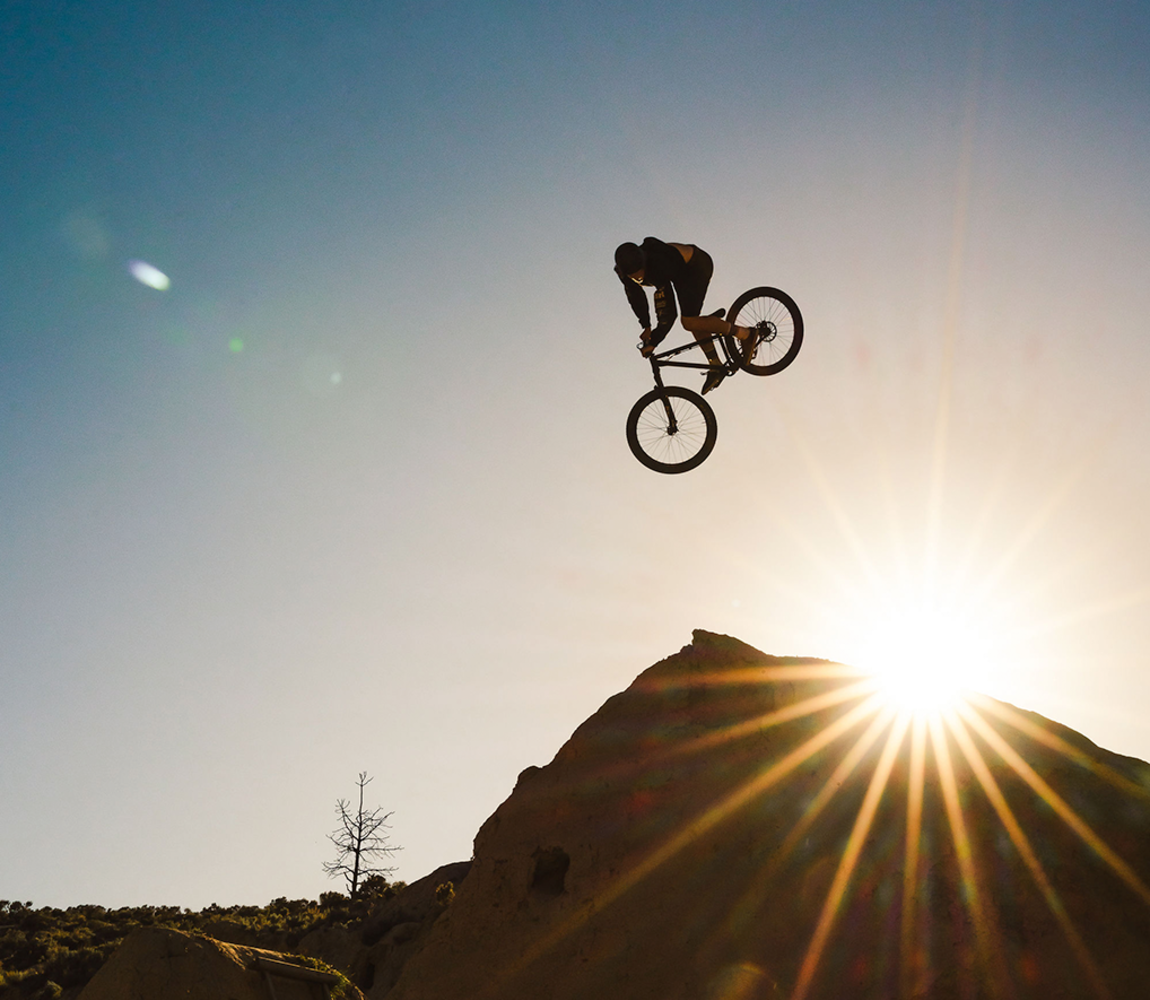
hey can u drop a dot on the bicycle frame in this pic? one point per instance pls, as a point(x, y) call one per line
point(662, 359)
point(672, 428)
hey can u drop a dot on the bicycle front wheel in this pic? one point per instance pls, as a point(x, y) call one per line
point(672, 429)
point(778, 330)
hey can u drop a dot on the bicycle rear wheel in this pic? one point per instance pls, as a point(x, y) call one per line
point(672, 430)
point(778, 327)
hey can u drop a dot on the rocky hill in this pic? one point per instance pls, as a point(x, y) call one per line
point(737, 826)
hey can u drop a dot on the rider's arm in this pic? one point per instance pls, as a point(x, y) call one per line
point(665, 311)
point(638, 299)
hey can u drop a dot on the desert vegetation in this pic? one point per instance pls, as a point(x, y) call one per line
point(47, 952)
point(360, 843)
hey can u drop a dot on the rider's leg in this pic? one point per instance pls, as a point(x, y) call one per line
point(712, 324)
point(705, 328)
point(692, 290)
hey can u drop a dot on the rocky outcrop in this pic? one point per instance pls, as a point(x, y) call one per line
point(736, 826)
point(157, 963)
point(374, 953)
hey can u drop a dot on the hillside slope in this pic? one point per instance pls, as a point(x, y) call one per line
point(736, 825)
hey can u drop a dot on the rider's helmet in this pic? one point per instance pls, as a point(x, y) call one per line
point(628, 258)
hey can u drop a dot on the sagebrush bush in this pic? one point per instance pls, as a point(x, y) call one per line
point(47, 950)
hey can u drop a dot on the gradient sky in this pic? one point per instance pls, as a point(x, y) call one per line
point(353, 492)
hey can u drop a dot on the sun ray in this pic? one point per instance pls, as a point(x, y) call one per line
point(980, 916)
point(742, 795)
point(1038, 520)
point(980, 524)
point(1057, 803)
point(1091, 612)
point(950, 329)
point(813, 600)
point(1041, 586)
point(828, 566)
point(849, 860)
point(831, 786)
point(1012, 717)
point(838, 512)
point(821, 670)
point(692, 831)
point(808, 706)
point(908, 963)
point(901, 539)
point(1022, 844)
point(861, 688)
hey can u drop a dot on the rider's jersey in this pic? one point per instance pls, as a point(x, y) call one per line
point(666, 270)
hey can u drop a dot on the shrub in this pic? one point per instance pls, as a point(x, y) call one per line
point(46, 951)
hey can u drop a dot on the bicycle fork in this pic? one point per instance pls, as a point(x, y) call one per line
point(668, 409)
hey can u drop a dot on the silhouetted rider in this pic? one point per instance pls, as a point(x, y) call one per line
point(680, 270)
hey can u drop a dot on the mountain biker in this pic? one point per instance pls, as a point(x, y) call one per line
point(680, 270)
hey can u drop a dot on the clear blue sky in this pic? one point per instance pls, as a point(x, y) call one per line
point(353, 492)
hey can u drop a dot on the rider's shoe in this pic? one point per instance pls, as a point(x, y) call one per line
point(750, 347)
point(714, 378)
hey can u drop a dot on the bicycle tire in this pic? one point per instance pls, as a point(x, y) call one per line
point(779, 325)
point(653, 443)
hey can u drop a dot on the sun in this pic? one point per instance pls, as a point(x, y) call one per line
point(924, 652)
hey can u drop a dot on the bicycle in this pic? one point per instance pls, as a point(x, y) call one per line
point(673, 429)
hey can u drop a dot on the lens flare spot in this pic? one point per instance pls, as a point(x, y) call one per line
point(738, 982)
point(236, 344)
point(321, 374)
point(148, 275)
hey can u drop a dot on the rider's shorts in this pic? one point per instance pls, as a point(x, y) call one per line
point(691, 289)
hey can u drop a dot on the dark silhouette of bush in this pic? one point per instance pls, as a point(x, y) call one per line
point(46, 951)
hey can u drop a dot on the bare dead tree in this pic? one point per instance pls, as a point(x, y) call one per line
point(359, 841)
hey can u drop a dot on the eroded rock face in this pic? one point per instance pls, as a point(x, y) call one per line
point(373, 953)
point(157, 963)
point(734, 826)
